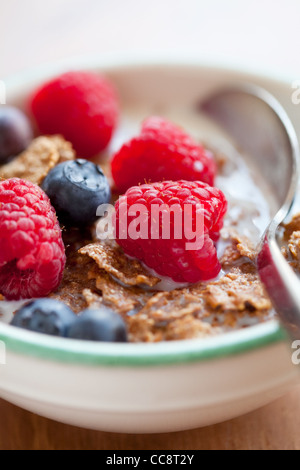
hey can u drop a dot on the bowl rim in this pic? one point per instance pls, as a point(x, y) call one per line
point(141, 354)
point(138, 354)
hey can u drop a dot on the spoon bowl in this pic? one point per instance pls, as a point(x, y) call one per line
point(263, 131)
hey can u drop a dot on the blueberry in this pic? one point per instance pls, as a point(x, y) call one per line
point(76, 189)
point(15, 133)
point(100, 324)
point(46, 316)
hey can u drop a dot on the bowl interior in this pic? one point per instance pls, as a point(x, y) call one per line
point(163, 89)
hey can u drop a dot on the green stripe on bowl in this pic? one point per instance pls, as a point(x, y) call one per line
point(136, 354)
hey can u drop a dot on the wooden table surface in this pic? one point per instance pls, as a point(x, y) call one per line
point(34, 32)
point(274, 427)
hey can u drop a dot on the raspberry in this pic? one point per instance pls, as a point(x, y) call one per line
point(81, 106)
point(162, 151)
point(32, 254)
point(169, 255)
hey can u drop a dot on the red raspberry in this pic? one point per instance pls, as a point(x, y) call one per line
point(32, 253)
point(162, 151)
point(169, 256)
point(81, 106)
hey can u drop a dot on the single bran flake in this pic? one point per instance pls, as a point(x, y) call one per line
point(239, 249)
point(237, 291)
point(291, 240)
point(111, 258)
point(122, 299)
point(43, 154)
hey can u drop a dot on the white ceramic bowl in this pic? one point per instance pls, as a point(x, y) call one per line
point(141, 388)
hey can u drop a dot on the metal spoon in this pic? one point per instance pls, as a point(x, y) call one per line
point(263, 130)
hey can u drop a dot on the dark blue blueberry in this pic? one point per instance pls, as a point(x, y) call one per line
point(76, 189)
point(47, 316)
point(15, 133)
point(100, 324)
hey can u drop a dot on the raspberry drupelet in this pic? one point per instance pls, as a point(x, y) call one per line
point(32, 252)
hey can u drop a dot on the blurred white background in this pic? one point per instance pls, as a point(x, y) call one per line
point(261, 34)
